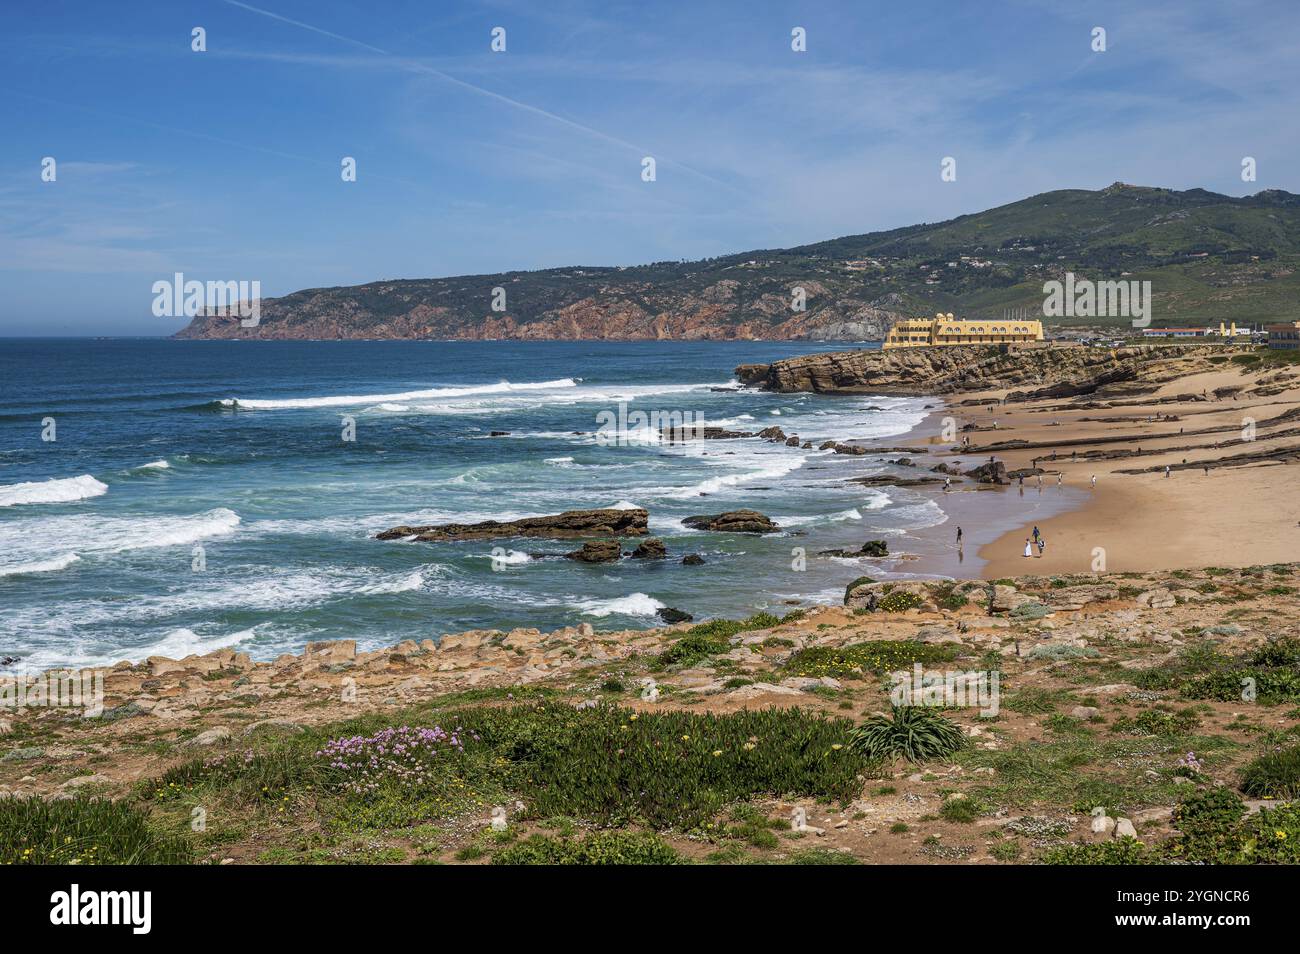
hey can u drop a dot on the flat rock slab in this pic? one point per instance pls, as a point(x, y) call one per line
point(571, 523)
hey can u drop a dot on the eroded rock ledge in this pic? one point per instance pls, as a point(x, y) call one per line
point(571, 523)
point(1061, 371)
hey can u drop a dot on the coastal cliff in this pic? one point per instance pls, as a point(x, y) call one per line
point(1224, 254)
point(1060, 371)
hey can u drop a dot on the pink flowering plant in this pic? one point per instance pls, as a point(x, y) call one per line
point(404, 773)
point(404, 757)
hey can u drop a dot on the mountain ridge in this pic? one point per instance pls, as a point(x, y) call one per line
point(1209, 257)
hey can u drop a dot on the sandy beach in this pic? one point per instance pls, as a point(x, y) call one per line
point(1228, 515)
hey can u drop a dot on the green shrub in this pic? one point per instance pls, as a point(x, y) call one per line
point(598, 848)
point(1209, 822)
point(1059, 651)
point(959, 809)
point(1121, 851)
point(915, 733)
point(1273, 774)
point(1031, 611)
point(690, 650)
point(878, 656)
point(1158, 721)
point(1008, 850)
point(899, 601)
point(84, 831)
point(1284, 651)
point(714, 638)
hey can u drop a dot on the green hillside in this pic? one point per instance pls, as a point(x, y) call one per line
point(1209, 257)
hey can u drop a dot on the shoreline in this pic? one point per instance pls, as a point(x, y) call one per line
point(1238, 513)
point(1231, 516)
point(982, 511)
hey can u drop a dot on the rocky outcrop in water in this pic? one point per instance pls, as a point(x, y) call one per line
point(571, 523)
point(652, 549)
point(733, 521)
point(603, 551)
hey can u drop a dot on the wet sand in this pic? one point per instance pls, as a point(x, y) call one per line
point(1232, 516)
point(1128, 522)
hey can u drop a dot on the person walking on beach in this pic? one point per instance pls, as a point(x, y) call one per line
point(1059, 478)
point(1029, 548)
point(1166, 471)
point(1042, 545)
point(1094, 481)
point(947, 484)
point(1037, 534)
point(959, 537)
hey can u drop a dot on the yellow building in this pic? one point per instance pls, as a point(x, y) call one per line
point(947, 330)
point(1284, 337)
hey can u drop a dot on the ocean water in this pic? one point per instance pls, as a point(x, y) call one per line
point(230, 456)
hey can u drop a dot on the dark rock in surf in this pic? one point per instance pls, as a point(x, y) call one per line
point(602, 551)
point(567, 525)
point(733, 521)
point(670, 616)
point(652, 549)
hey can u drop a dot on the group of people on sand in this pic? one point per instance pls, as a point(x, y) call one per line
point(1038, 540)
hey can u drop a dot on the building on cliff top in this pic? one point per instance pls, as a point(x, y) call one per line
point(1284, 337)
point(947, 330)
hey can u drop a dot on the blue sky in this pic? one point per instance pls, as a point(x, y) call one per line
point(225, 164)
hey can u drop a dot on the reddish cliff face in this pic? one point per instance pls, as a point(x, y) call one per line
point(721, 311)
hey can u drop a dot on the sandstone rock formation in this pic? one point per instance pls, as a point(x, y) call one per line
point(1055, 371)
point(571, 523)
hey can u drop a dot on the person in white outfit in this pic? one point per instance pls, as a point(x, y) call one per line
point(1029, 547)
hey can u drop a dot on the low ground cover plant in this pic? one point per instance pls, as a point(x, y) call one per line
point(1270, 672)
point(1214, 828)
point(597, 848)
point(1274, 774)
point(857, 659)
point(84, 831)
point(714, 638)
point(604, 764)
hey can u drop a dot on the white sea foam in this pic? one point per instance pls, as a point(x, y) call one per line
point(878, 500)
point(40, 566)
point(155, 465)
point(636, 604)
point(770, 469)
point(509, 558)
point(182, 642)
point(59, 490)
point(344, 400)
point(29, 540)
point(401, 584)
point(559, 461)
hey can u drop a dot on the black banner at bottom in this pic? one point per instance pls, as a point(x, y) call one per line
point(333, 903)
